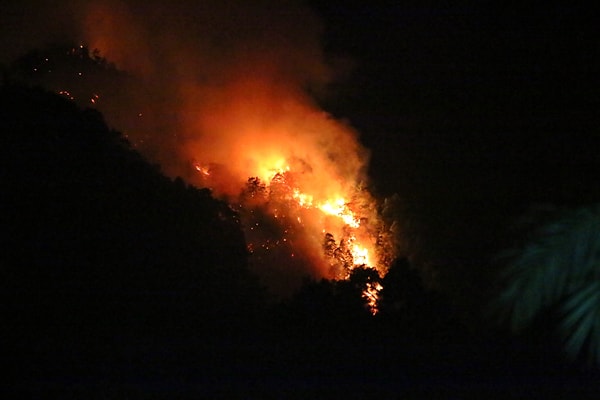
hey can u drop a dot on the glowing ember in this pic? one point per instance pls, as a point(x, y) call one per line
point(67, 94)
point(304, 200)
point(340, 209)
point(202, 169)
point(279, 167)
point(360, 255)
point(371, 296)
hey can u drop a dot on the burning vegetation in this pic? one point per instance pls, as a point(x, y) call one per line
point(307, 213)
point(288, 229)
point(240, 122)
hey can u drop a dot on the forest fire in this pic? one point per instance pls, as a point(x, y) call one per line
point(238, 117)
point(295, 175)
point(282, 221)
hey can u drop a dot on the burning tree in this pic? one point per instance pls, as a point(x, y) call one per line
point(285, 226)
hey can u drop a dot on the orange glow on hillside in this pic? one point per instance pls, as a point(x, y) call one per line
point(306, 221)
point(240, 122)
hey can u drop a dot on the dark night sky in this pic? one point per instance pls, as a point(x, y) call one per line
point(462, 86)
point(473, 113)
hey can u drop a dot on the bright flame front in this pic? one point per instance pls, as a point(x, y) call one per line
point(282, 220)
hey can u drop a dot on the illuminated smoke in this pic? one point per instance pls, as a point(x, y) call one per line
point(221, 94)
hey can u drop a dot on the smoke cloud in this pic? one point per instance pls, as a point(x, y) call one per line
point(226, 75)
point(222, 86)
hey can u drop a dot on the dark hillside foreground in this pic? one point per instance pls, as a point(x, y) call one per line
point(103, 257)
point(118, 282)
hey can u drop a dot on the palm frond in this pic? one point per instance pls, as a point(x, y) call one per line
point(580, 325)
point(557, 268)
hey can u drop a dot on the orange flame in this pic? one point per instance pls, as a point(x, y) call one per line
point(316, 216)
point(241, 108)
point(371, 295)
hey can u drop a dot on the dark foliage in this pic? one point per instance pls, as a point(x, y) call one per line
point(550, 282)
point(101, 252)
point(119, 282)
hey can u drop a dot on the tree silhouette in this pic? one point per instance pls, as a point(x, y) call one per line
point(255, 192)
point(403, 290)
point(554, 277)
point(98, 242)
